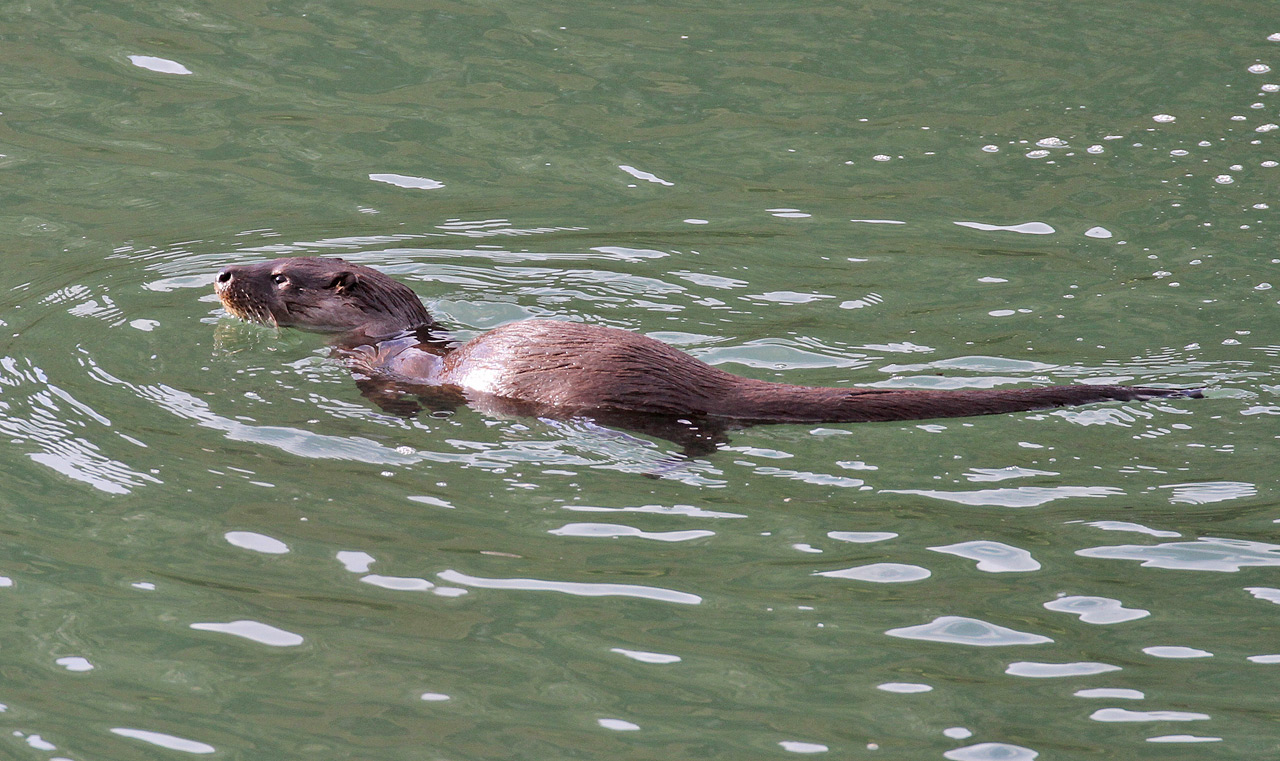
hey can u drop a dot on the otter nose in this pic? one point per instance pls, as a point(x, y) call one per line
point(224, 276)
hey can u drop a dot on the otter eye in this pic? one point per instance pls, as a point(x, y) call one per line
point(279, 279)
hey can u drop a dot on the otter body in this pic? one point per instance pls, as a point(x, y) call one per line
point(565, 369)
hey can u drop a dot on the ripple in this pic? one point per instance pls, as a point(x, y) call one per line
point(787, 297)
point(1096, 610)
point(408, 181)
point(254, 630)
point(960, 630)
point(1123, 714)
point(1183, 739)
point(1175, 651)
point(1135, 527)
point(398, 583)
point(75, 663)
point(1053, 670)
point(573, 588)
point(618, 725)
point(1209, 492)
point(249, 540)
point(1264, 659)
point(1004, 474)
point(1265, 593)
point(1022, 496)
point(861, 537)
point(1110, 693)
point(1027, 228)
point(171, 742)
point(611, 530)
point(773, 354)
point(992, 557)
point(884, 573)
point(355, 562)
point(158, 65)
point(991, 752)
point(646, 176)
point(1204, 554)
point(689, 510)
point(796, 746)
point(905, 688)
point(646, 657)
point(40, 414)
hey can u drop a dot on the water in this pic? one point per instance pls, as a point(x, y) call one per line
point(214, 545)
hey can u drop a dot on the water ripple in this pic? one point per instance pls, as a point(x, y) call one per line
point(1210, 491)
point(991, 752)
point(1052, 670)
point(861, 537)
point(253, 630)
point(171, 742)
point(645, 656)
point(1176, 651)
point(884, 573)
point(1269, 594)
point(1204, 554)
point(904, 688)
point(968, 631)
point(1027, 228)
point(612, 530)
point(992, 557)
point(1123, 714)
point(687, 510)
point(1023, 496)
point(45, 418)
point(573, 588)
point(355, 562)
point(249, 540)
point(1110, 693)
point(1096, 610)
point(1127, 526)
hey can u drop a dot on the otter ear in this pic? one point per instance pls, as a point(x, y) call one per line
point(344, 281)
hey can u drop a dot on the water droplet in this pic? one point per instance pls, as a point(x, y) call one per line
point(1259, 68)
point(1224, 179)
point(1164, 118)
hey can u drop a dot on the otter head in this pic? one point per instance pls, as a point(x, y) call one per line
point(321, 294)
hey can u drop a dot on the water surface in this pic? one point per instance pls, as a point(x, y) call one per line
point(214, 545)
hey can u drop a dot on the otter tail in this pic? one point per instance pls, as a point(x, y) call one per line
point(861, 405)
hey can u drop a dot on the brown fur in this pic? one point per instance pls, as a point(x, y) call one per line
point(565, 368)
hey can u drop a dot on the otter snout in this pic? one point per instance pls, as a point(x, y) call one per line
point(224, 279)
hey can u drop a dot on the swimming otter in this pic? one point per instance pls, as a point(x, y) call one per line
point(567, 369)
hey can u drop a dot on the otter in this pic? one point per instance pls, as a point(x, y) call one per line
point(562, 369)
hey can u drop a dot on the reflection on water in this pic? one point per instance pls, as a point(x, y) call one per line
point(214, 545)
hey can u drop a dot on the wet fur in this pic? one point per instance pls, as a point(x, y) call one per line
point(563, 369)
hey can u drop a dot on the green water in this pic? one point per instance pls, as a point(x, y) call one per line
point(213, 544)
